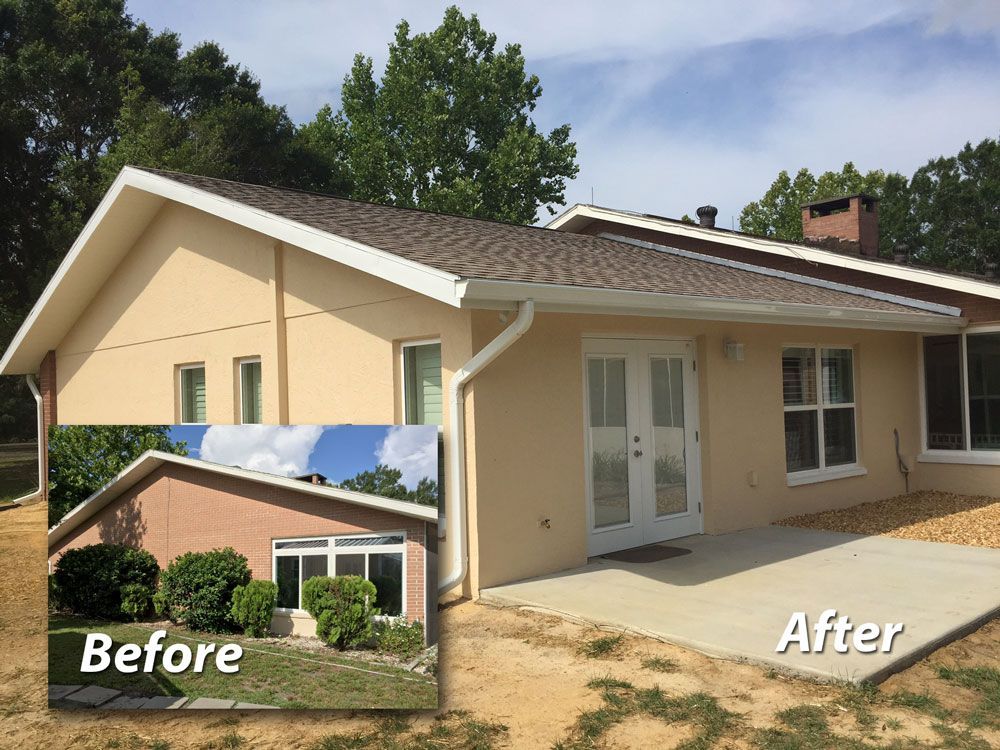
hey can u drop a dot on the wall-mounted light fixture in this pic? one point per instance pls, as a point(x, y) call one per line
point(734, 350)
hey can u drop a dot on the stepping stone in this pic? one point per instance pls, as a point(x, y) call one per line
point(58, 692)
point(252, 705)
point(210, 703)
point(124, 701)
point(92, 696)
point(164, 701)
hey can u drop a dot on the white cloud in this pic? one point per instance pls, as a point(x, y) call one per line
point(276, 450)
point(412, 450)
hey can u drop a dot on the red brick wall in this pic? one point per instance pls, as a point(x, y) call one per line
point(854, 224)
point(976, 309)
point(179, 509)
point(47, 389)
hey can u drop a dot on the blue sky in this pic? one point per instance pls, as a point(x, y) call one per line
point(339, 452)
point(673, 105)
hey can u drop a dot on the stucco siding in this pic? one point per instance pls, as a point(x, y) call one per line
point(178, 509)
point(529, 439)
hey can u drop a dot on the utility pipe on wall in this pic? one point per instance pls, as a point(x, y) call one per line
point(455, 515)
point(33, 387)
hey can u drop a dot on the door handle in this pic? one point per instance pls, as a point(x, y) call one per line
point(637, 453)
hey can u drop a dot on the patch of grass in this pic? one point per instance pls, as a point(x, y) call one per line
point(275, 676)
point(660, 664)
point(159, 745)
point(859, 698)
point(623, 701)
point(954, 739)
point(228, 741)
point(986, 682)
point(922, 702)
point(18, 471)
point(603, 647)
point(805, 728)
point(453, 729)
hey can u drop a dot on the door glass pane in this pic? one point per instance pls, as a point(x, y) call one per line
point(350, 565)
point(943, 392)
point(798, 376)
point(838, 376)
point(667, 401)
point(838, 436)
point(287, 575)
point(385, 570)
point(313, 565)
point(984, 390)
point(801, 440)
point(608, 440)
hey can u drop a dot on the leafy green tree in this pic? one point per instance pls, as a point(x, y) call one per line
point(84, 458)
point(384, 481)
point(448, 127)
point(955, 208)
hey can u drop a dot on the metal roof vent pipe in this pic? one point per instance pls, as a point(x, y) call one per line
point(706, 216)
point(901, 254)
point(991, 270)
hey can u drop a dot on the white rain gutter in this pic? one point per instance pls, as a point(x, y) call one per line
point(41, 443)
point(455, 501)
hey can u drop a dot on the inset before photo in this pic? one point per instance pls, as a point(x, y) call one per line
point(243, 566)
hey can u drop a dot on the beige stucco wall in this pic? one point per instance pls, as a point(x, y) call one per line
point(529, 437)
point(965, 479)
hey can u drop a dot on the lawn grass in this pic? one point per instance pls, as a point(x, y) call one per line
point(271, 675)
point(986, 682)
point(18, 470)
point(454, 729)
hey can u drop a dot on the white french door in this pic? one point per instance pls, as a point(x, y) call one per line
point(643, 468)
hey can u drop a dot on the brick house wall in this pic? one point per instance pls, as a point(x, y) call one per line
point(178, 509)
point(977, 309)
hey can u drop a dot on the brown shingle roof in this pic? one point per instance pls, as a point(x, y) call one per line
point(482, 249)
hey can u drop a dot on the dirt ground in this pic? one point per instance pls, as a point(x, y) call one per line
point(523, 670)
point(924, 516)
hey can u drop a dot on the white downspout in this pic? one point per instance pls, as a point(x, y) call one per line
point(41, 443)
point(455, 516)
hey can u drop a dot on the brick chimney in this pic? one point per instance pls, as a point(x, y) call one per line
point(314, 478)
point(848, 224)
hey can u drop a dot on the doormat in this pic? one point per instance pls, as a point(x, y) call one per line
point(649, 553)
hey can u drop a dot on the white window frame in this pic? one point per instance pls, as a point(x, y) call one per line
point(825, 473)
point(180, 390)
point(940, 455)
point(331, 553)
point(239, 376)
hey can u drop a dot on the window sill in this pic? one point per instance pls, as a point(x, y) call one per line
point(825, 475)
point(982, 458)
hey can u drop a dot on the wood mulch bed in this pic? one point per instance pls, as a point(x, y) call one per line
point(924, 516)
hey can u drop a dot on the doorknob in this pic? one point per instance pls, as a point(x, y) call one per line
point(637, 453)
point(635, 438)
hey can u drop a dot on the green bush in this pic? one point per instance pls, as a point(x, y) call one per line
point(197, 588)
point(343, 608)
point(399, 637)
point(136, 600)
point(253, 605)
point(90, 579)
point(55, 601)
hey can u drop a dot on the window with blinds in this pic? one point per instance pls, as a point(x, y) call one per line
point(820, 423)
point(192, 394)
point(251, 393)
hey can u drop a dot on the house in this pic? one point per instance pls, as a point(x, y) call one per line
point(624, 380)
point(288, 529)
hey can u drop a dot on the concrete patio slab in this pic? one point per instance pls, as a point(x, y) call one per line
point(253, 706)
point(734, 595)
point(91, 696)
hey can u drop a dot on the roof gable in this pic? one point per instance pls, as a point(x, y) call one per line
point(149, 461)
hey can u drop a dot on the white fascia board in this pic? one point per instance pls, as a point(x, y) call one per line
point(501, 295)
point(151, 460)
point(798, 278)
point(78, 244)
point(924, 276)
point(417, 277)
